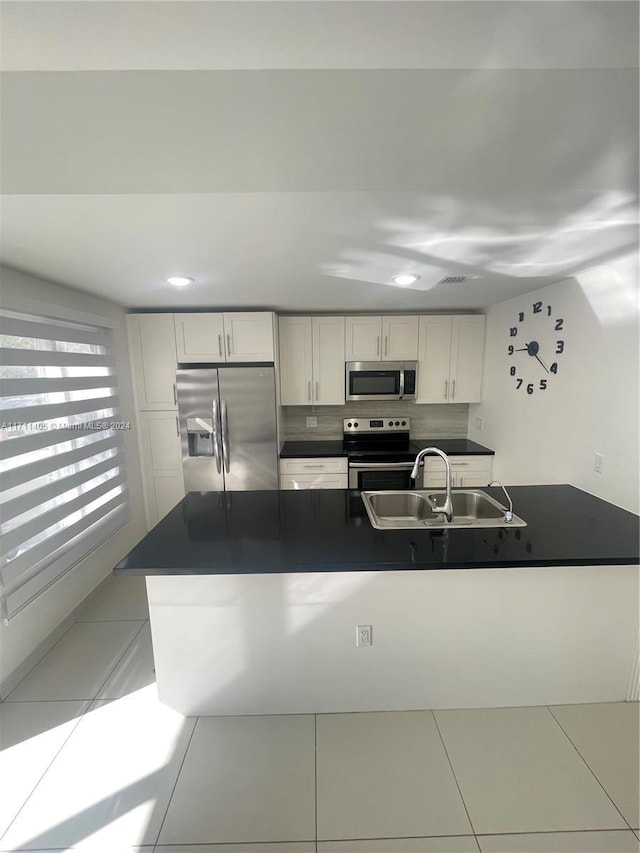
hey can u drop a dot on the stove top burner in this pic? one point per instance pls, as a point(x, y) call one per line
point(377, 439)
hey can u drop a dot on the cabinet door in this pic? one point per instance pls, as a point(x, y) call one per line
point(434, 347)
point(161, 459)
point(399, 338)
point(249, 336)
point(467, 349)
point(296, 361)
point(152, 347)
point(328, 361)
point(199, 337)
point(363, 339)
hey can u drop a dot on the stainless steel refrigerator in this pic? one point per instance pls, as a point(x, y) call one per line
point(228, 428)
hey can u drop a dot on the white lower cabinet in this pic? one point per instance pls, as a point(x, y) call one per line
point(325, 473)
point(469, 471)
point(161, 455)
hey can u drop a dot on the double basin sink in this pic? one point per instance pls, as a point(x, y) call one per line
point(404, 510)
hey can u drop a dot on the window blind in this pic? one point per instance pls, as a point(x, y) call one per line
point(63, 486)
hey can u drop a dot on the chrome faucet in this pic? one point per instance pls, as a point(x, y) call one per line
point(447, 507)
point(508, 513)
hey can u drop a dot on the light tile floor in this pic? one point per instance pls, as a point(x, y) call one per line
point(92, 761)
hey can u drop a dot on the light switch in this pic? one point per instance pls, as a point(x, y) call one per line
point(312, 421)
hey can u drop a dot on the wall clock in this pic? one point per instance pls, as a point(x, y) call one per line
point(536, 345)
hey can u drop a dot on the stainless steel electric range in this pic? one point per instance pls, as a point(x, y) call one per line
point(380, 453)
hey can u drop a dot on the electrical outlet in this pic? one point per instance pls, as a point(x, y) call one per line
point(598, 463)
point(479, 424)
point(364, 636)
point(312, 421)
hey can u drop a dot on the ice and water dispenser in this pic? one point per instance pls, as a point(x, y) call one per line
point(200, 436)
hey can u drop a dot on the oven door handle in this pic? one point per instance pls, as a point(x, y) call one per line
point(382, 466)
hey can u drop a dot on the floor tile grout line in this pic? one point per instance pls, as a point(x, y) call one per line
point(48, 767)
point(48, 652)
point(175, 784)
point(117, 663)
point(446, 752)
point(583, 759)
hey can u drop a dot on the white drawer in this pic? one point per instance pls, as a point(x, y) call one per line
point(313, 481)
point(477, 464)
point(324, 465)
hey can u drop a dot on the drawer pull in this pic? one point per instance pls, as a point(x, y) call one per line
point(313, 466)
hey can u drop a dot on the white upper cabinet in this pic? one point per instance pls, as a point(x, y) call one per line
point(296, 361)
point(199, 337)
point(328, 361)
point(230, 337)
point(381, 338)
point(249, 336)
point(152, 347)
point(450, 358)
point(363, 338)
point(311, 361)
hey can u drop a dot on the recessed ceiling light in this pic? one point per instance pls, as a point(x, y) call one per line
point(405, 278)
point(180, 280)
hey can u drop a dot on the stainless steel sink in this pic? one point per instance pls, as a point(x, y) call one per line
point(404, 510)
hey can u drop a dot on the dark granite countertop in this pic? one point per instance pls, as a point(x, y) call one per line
point(326, 530)
point(453, 446)
point(313, 449)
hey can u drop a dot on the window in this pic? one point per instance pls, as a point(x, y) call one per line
point(63, 486)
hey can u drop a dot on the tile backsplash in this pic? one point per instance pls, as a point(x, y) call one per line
point(444, 421)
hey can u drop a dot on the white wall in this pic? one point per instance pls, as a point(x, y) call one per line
point(590, 407)
point(29, 628)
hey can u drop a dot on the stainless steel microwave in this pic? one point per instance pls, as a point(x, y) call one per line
point(381, 380)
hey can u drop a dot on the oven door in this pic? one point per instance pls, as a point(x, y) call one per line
point(376, 476)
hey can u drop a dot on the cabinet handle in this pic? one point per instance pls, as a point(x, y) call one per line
point(378, 346)
point(453, 389)
point(457, 464)
point(177, 427)
point(446, 388)
point(309, 390)
point(317, 390)
point(220, 345)
point(313, 466)
point(228, 343)
point(175, 395)
point(386, 345)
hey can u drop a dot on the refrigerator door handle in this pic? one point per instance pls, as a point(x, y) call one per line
point(216, 441)
point(225, 436)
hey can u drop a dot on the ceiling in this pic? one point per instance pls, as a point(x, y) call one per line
point(296, 155)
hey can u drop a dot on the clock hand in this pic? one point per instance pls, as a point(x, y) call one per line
point(542, 363)
point(522, 349)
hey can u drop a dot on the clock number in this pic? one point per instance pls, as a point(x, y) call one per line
point(554, 367)
point(510, 349)
point(548, 310)
point(530, 388)
point(558, 325)
point(519, 383)
point(512, 371)
point(560, 347)
point(513, 331)
point(521, 316)
point(543, 384)
point(537, 307)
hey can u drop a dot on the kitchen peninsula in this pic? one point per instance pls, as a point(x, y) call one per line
point(255, 598)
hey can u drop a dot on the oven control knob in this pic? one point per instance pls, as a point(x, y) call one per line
point(349, 425)
point(390, 423)
point(356, 424)
point(397, 423)
point(404, 423)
